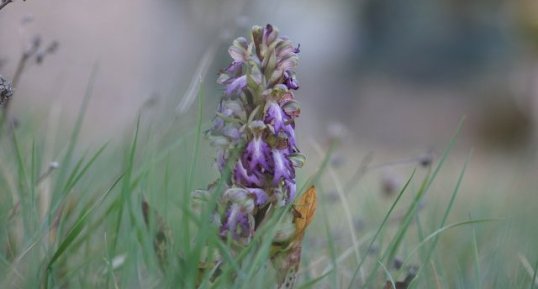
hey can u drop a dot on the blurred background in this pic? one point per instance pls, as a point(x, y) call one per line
point(392, 77)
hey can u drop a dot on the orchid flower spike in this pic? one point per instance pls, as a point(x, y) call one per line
point(254, 130)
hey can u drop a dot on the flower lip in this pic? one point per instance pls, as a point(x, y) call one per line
point(281, 166)
point(236, 195)
point(260, 195)
point(245, 177)
point(237, 223)
point(275, 115)
point(257, 126)
point(257, 153)
point(236, 85)
point(290, 81)
point(290, 134)
point(235, 68)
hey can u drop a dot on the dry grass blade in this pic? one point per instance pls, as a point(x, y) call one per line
point(162, 238)
point(196, 82)
point(528, 267)
point(401, 284)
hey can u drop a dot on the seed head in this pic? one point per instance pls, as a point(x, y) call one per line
point(6, 90)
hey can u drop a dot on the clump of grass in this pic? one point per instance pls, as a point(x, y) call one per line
point(92, 231)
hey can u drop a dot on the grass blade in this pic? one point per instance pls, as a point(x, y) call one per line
point(78, 226)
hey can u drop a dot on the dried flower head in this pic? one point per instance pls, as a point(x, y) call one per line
point(391, 183)
point(425, 160)
point(254, 129)
point(4, 3)
point(6, 90)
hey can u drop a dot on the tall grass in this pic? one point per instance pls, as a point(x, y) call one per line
point(82, 225)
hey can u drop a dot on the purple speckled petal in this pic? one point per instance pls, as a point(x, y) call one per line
point(246, 229)
point(230, 219)
point(290, 133)
point(237, 223)
point(257, 153)
point(281, 166)
point(275, 116)
point(244, 177)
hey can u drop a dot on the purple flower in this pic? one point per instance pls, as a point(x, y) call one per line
point(236, 85)
point(257, 153)
point(260, 195)
point(217, 124)
point(232, 132)
point(290, 133)
point(244, 177)
point(232, 108)
point(282, 166)
point(275, 115)
point(237, 222)
point(290, 81)
point(254, 130)
point(235, 68)
point(291, 107)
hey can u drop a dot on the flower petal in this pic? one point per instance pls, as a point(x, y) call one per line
point(260, 196)
point(275, 115)
point(281, 166)
point(257, 153)
point(244, 177)
point(236, 85)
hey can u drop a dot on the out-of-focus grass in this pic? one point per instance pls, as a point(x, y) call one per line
point(81, 225)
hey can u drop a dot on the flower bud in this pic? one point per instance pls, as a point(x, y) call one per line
point(269, 34)
point(292, 108)
point(257, 126)
point(297, 159)
point(239, 50)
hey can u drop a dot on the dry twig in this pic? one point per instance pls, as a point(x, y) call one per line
point(5, 3)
